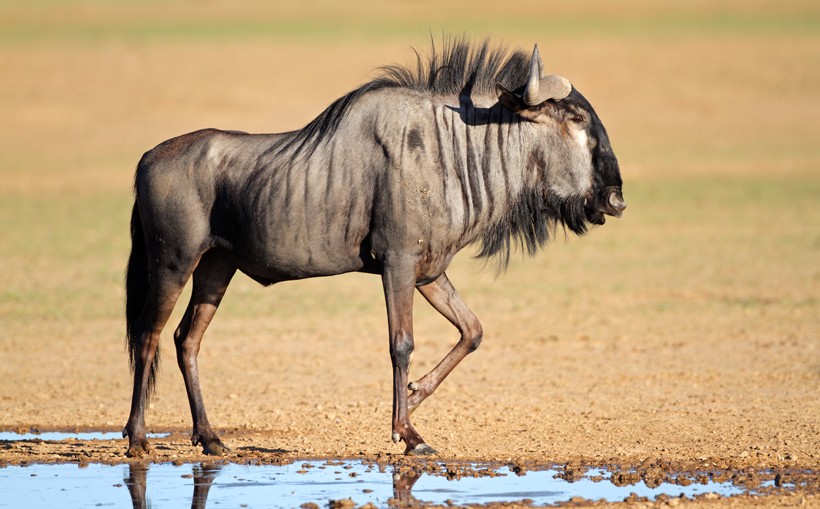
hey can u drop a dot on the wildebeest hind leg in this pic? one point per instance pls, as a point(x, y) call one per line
point(164, 294)
point(211, 279)
point(445, 299)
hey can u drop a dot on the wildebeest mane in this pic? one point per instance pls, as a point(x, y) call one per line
point(459, 68)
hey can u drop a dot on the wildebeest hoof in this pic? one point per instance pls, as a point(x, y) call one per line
point(421, 449)
point(214, 448)
point(138, 449)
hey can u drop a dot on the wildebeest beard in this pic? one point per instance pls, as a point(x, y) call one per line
point(531, 222)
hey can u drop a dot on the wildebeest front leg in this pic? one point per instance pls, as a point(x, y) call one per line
point(399, 282)
point(445, 299)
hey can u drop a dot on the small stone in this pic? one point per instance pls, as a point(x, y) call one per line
point(341, 504)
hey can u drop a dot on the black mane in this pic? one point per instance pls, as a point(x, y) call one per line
point(460, 68)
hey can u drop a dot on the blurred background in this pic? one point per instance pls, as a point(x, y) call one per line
point(712, 108)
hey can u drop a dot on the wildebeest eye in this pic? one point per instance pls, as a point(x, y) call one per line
point(578, 119)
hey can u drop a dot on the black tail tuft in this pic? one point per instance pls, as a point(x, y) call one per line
point(137, 284)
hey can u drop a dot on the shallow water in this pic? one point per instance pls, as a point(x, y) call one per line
point(234, 485)
point(65, 435)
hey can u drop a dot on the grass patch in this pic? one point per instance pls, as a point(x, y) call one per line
point(93, 21)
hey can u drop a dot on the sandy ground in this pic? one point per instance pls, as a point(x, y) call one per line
point(683, 337)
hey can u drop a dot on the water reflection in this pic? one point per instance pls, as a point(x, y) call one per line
point(298, 483)
point(342, 483)
point(137, 482)
point(403, 483)
point(203, 477)
point(204, 474)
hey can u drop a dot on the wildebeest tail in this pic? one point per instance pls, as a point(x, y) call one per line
point(137, 287)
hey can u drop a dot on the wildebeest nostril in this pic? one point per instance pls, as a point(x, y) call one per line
point(616, 201)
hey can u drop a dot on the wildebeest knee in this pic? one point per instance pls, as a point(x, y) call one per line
point(401, 349)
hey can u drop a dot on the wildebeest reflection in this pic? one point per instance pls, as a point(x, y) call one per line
point(204, 475)
point(137, 482)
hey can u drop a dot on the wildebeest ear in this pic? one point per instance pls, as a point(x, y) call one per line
point(516, 104)
point(510, 100)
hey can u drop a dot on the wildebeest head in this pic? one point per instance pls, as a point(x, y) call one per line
point(589, 170)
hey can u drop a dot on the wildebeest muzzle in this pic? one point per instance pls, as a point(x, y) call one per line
point(608, 201)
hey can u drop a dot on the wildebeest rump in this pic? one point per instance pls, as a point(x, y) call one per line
point(473, 146)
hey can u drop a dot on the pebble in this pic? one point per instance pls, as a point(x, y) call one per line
point(341, 504)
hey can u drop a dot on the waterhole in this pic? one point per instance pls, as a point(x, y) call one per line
point(348, 484)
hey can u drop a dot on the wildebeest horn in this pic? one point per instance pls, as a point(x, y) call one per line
point(539, 87)
point(534, 79)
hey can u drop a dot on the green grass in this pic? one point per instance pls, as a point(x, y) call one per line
point(93, 22)
point(63, 255)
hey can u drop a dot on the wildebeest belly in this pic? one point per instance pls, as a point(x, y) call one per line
point(277, 246)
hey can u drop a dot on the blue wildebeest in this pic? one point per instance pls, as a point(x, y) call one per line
point(472, 146)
